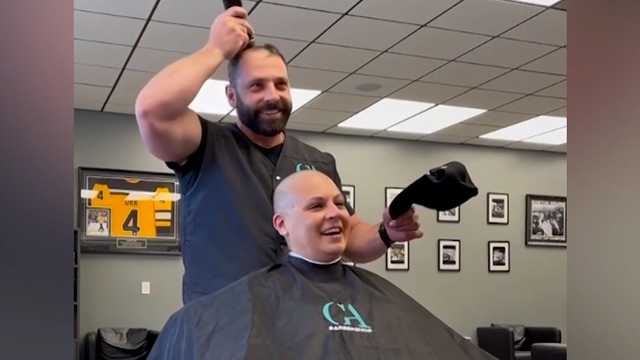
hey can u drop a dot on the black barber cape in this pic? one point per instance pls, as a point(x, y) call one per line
point(299, 310)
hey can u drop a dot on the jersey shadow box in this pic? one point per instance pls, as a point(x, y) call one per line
point(128, 212)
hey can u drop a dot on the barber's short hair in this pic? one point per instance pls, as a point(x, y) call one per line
point(232, 67)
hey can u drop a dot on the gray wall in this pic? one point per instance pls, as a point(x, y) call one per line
point(532, 293)
point(604, 88)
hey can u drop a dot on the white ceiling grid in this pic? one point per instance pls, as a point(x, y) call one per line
point(503, 56)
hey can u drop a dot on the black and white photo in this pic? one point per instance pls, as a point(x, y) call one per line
point(449, 255)
point(499, 256)
point(349, 192)
point(397, 256)
point(451, 215)
point(498, 208)
point(546, 221)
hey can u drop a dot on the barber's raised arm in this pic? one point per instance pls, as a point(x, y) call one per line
point(169, 129)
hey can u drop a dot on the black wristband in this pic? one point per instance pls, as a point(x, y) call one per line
point(384, 236)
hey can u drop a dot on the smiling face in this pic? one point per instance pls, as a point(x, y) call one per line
point(310, 213)
point(260, 92)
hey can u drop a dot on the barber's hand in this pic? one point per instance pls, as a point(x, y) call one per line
point(230, 32)
point(405, 228)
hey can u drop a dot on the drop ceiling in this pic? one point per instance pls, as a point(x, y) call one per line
point(504, 56)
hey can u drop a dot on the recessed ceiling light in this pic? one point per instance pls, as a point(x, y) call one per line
point(384, 113)
point(539, 2)
point(211, 98)
point(527, 129)
point(555, 137)
point(437, 118)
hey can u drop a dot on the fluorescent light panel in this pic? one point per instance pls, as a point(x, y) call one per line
point(539, 2)
point(527, 129)
point(211, 98)
point(435, 119)
point(555, 137)
point(384, 113)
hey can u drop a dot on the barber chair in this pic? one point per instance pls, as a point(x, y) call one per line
point(514, 342)
point(119, 343)
point(548, 351)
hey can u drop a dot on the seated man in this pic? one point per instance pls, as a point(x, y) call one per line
point(310, 305)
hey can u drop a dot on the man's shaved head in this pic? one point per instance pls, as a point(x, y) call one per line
point(310, 212)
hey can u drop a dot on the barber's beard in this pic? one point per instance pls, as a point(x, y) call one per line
point(264, 125)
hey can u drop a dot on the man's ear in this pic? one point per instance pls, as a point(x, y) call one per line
point(231, 95)
point(279, 224)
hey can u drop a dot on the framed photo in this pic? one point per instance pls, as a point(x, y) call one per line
point(498, 208)
point(397, 256)
point(128, 212)
point(449, 255)
point(546, 220)
point(349, 192)
point(499, 256)
point(451, 215)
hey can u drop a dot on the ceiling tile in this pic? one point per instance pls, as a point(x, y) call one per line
point(192, 12)
point(428, 92)
point(139, 8)
point(550, 27)
point(341, 102)
point(559, 90)
point(130, 85)
point(288, 48)
point(457, 73)
point(561, 5)
point(120, 108)
point(89, 97)
point(300, 126)
point(368, 85)
point(488, 142)
point(94, 75)
point(522, 82)
point(556, 63)
point(94, 53)
point(173, 37)
point(437, 43)
point(351, 131)
point(336, 58)
point(412, 11)
point(319, 117)
point(152, 60)
point(534, 105)
point(313, 79)
point(527, 146)
point(485, 16)
point(400, 66)
point(558, 148)
point(366, 33)
point(467, 130)
point(106, 28)
point(334, 5)
point(449, 139)
point(483, 99)
point(497, 118)
point(398, 135)
point(504, 52)
point(560, 112)
point(288, 22)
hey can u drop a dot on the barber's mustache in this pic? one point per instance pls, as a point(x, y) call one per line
point(279, 105)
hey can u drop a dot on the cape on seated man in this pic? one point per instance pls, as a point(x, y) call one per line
point(310, 305)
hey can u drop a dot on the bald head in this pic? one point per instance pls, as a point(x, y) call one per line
point(310, 212)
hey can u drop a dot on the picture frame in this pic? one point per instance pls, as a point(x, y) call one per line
point(121, 211)
point(349, 192)
point(499, 256)
point(449, 255)
point(546, 220)
point(497, 208)
point(449, 216)
point(397, 255)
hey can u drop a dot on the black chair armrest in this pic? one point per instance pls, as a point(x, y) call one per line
point(548, 351)
point(538, 334)
point(497, 341)
point(90, 346)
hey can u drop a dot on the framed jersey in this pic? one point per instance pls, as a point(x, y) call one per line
point(128, 212)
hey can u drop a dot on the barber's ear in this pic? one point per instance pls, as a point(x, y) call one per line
point(231, 95)
point(279, 225)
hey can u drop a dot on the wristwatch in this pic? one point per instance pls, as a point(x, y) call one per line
point(384, 236)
